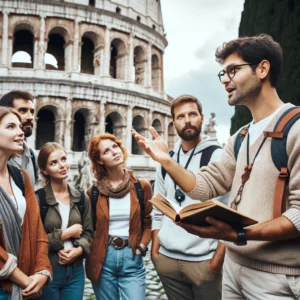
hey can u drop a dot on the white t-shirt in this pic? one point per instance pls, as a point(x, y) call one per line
point(256, 129)
point(64, 210)
point(119, 215)
point(18, 199)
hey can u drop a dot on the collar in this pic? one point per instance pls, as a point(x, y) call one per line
point(51, 200)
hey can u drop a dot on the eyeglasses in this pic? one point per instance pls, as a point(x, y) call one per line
point(230, 71)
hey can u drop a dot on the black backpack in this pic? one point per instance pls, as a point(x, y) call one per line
point(18, 177)
point(278, 151)
point(205, 157)
point(139, 192)
point(44, 206)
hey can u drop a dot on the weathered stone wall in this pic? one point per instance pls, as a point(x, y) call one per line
point(280, 19)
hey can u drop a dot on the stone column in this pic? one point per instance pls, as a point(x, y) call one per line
point(129, 126)
point(68, 56)
point(148, 81)
point(5, 38)
point(31, 140)
point(68, 124)
point(10, 51)
point(130, 67)
point(76, 61)
point(150, 120)
point(41, 47)
point(166, 133)
point(106, 57)
point(102, 117)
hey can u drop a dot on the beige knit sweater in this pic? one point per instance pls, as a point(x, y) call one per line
point(224, 174)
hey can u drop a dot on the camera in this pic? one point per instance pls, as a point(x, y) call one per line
point(179, 195)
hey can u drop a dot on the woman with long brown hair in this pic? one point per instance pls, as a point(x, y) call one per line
point(24, 262)
point(122, 217)
point(66, 215)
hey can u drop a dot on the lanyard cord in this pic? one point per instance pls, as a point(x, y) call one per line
point(187, 163)
point(260, 146)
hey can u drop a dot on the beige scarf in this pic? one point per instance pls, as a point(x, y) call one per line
point(106, 189)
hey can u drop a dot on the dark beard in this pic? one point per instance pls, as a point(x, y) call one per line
point(189, 136)
point(27, 131)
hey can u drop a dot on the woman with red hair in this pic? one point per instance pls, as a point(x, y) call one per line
point(122, 223)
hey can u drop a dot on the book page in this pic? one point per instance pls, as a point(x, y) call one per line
point(174, 205)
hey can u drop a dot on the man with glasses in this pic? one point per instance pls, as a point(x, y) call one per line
point(262, 261)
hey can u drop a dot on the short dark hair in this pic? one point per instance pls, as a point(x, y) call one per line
point(185, 99)
point(8, 99)
point(253, 50)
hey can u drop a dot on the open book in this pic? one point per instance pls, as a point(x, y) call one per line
point(196, 213)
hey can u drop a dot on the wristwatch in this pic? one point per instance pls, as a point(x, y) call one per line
point(241, 237)
point(142, 250)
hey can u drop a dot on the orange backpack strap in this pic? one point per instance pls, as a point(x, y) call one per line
point(280, 156)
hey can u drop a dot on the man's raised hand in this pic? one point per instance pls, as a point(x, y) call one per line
point(156, 148)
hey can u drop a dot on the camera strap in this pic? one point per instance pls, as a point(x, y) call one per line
point(187, 163)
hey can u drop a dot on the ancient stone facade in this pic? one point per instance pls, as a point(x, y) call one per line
point(93, 66)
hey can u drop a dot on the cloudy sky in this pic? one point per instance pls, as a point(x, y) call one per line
point(195, 28)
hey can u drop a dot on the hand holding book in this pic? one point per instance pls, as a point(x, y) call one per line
point(210, 219)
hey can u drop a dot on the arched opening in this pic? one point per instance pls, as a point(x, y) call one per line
point(45, 131)
point(117, 59)
point(79, 132)
point(139, 65)
point(155, 72)
point(87, 56)
point(157, 126)
point(114, 124)
point(23, 45)
point(138, 124)
point(55, 48)
point(171, 136)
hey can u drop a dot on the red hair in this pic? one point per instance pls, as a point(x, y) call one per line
point(94, 153)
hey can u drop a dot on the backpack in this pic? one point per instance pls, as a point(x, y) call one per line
point(18, 177)
point(44, 206)
point(139, 192)
point(205, 157)
point(278, 152)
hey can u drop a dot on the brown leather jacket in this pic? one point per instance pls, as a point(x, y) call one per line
point(34, 242)
point(96, 258)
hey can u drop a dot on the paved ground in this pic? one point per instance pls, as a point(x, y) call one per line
point(154, 289)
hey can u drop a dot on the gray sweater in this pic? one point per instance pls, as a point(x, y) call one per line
point(176, 242)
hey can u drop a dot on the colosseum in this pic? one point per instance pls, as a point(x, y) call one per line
point(93, 66)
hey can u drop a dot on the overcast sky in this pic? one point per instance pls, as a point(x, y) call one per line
point(195, 28)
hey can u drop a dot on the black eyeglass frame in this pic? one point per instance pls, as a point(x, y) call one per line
point(222, 73)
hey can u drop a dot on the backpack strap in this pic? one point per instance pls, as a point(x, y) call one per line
point(41, 193)
point(140, 194)
point(80, 204)
point(18, 177)
point(35, 169)
point(163, 170)
point(279, 155)
point(239, 140)
point(95, 195)
point(207, 153)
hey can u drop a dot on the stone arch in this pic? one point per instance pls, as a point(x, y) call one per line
point(155, 66)
point(46, 130)
point(58, 47)
point(171, 135)
point(158, 126)
point(114, 124)
point(138, 123)
point(117, 59)
point(87, 57)
point(139, 61)
point(81, 129)
point(23, 46)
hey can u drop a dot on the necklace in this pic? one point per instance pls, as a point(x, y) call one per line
point(247, 172)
